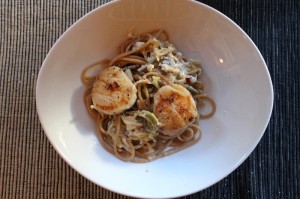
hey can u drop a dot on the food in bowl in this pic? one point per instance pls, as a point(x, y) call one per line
point(148, 100)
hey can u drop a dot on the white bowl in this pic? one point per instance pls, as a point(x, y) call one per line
point(235, 75)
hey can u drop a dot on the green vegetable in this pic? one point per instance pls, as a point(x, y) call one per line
point(155, 80)
point(151, 122)
point(192, 89)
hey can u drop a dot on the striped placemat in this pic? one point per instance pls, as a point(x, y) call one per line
point(31, 168)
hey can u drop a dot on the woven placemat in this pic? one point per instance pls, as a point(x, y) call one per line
point(31, 168)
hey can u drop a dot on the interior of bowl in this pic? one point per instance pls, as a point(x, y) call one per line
point(235, 76)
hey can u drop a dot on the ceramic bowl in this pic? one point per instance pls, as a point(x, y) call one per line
point(235, 75)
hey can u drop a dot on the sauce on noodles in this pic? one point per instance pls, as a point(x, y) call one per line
point(147, 102)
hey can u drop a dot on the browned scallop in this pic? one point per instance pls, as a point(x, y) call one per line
point(175, 109)
point(113, 92)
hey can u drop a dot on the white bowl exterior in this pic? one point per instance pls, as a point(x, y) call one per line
point(235, 76)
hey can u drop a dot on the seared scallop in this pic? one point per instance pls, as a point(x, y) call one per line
point(113, 92)
point(175, 109)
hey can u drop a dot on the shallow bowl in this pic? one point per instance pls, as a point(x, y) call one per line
point(235, 75)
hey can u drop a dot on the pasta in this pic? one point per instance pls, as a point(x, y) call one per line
point(147, 102)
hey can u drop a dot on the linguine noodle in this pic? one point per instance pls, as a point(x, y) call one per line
point(150, 62)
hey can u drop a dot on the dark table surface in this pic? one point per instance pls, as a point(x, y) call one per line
point(30, 167)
